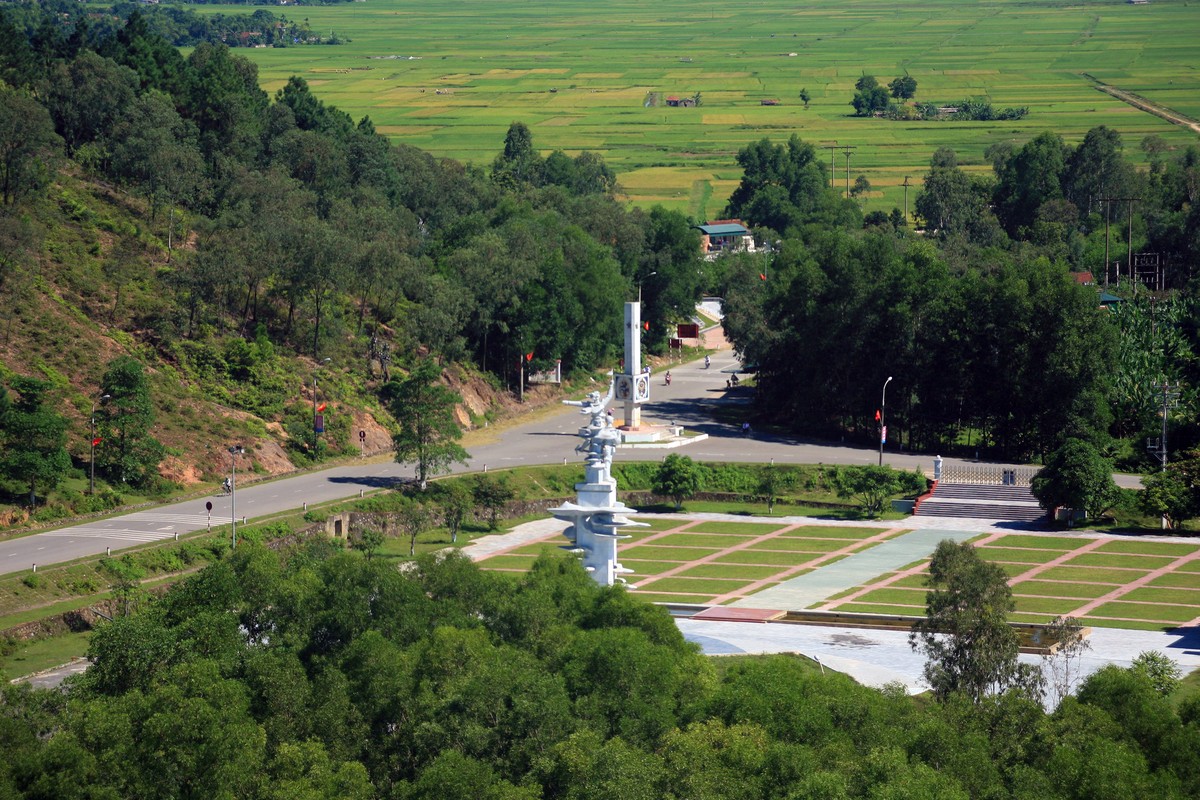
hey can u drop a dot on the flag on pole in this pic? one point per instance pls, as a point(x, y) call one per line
point(646, 325)
point(878, 416)
point(321, 407)
point(529, 356)
point(762, 276)
point(96, 441)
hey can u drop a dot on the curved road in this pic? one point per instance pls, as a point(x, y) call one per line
point(546, 440)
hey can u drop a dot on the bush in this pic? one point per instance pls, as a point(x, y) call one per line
point(32, 581)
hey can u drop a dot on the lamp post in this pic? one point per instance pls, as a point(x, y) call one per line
point(92, 455)
point(320, 364)
point(643, 280)
point(882, 419)
point(234, 451)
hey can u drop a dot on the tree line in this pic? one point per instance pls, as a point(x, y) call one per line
point(996, 344)
point(311, 224)
point(305, 671)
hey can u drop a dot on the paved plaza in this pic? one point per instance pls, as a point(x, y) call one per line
point(886, 563)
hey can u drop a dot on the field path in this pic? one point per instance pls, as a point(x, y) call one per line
point(1139, 102)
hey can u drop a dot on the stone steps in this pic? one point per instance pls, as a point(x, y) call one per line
point(981, 501)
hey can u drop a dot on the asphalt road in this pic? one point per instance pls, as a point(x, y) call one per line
point(689, 401)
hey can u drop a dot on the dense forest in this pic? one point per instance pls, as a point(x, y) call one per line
point(313, 673)
point(254, 227)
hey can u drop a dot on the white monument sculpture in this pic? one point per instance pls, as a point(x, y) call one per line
point(596, 516)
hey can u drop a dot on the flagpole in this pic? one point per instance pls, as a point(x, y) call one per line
point(882, 419)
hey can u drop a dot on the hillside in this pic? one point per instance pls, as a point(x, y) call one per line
point(90, 290)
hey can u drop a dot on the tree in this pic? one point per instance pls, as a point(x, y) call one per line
point(456, 502)
point(368, 542)
point(154, 150)
point(678, 477)
point(1158, 668)
point(87, 96)
point(903, 88)
point(771, 482)
point(491, 494)
point(28, 145)
point(805, 97)
point(965, 636)
point(869, 96)
point(1174, 493)
point(33, 438)
point(1062, 664)
point(861, 186)
point(873, 485)
point(1076, 476)
point(429, 431)
point(518, 164)
point(415, 518)
point(127, 452)
point(126, 581)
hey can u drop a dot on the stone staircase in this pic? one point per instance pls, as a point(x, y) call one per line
point(981, 501)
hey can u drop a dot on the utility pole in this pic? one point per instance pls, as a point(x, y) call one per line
point(832, 148)
point(905, 185)
point(1158, 447)
point(1129, 235)
point(848, 148)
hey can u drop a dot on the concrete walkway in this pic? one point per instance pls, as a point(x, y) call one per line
point(805, 590)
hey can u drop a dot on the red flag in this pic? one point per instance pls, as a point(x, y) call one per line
point(529, 356)
point(321, 407)
point(646, 325)
point(96, 441)
point(762, 277)
point(878, 416)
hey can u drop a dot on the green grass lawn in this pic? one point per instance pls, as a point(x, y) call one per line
point(906, 597)
point(655, 553)
point(1179, 580)
point(1056, 543)
point(1146, 612)
point(1148, 548)
point(745, 529)
point(43, 654)
point(1152, 594)
point(1091, 574)
point(1118, 560)
point(769, 558)
point(1084, 591)
point(689, 539)
point(451, 78)
point(709, 586)
point(729, 571)
point(1015, 556)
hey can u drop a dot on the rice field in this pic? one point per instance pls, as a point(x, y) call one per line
point(450, 78)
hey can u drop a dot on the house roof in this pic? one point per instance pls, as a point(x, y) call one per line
point(724, 230)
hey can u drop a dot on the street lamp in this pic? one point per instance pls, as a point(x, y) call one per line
point(320, 364)
point(882, 420)
point(234, 451)
point(92, 456)
point(640, 282)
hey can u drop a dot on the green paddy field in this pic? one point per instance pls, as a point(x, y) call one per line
point(450, 77)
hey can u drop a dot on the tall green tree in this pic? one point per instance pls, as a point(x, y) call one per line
point(33, 437)
point(678, 477)
point(28, 145)
point(128, 452)
point(429, 432)
point(1077, 477)
point(965, 636)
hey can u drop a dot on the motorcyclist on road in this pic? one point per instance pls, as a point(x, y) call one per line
point(706, 362)
point(226, 486)
point(668, 377)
